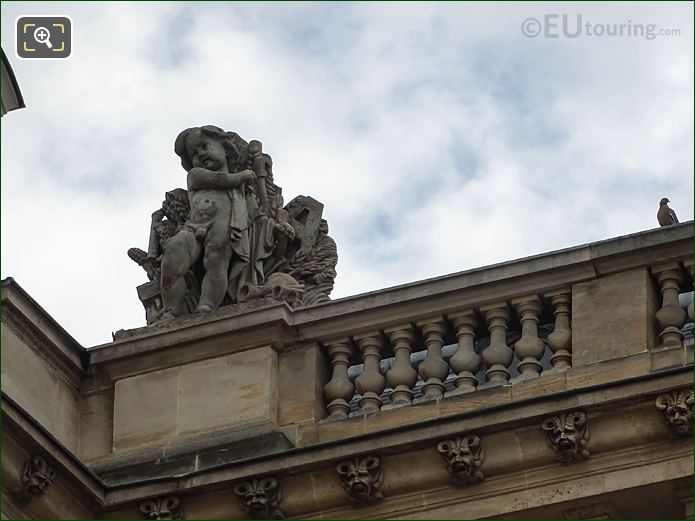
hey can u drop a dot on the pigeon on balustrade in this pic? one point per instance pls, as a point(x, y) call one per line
point(666, 216)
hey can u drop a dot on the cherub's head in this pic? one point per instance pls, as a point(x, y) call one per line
point(207, 147)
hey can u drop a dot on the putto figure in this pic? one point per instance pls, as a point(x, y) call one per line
point(218, 225)
point(227, 239)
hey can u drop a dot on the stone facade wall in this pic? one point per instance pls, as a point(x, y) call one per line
point(558, 386)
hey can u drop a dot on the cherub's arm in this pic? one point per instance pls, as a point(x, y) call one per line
point(153, 248)
point(203, 179)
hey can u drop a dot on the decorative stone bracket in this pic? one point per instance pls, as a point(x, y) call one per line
point(37, 475)
point(463, 456)
point(260, 498)
point(362, 478)
point(677, 407)
point(166, 507)
point(568, 434)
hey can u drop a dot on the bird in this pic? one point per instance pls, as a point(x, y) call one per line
point(666, 216)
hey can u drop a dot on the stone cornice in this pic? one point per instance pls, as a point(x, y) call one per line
point(520, 419)
point(504, 415)
point(33, 436)
point(29, 321)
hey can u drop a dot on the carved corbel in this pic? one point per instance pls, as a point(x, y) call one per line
point(677, 407)
point(37, 475)
point(463, 456)
point(260, 498)
point(166, 507)
point(568, 434)
point(362, 478)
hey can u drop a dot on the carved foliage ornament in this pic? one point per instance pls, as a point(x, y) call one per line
point(677, 407)
point(568, 434)
point(463, 456)
point(166, 507)
point(361, 478)
point(260, 498)
point(37, 475)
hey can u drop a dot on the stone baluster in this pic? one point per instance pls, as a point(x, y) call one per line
point(433, 369)
point(371, 383)
point(529, 349)
point(685, 495)
point(688, 264)
point(465, 363)
point(401, 377)
point(497, 356)
point(560, 340)
point(671, 316)
point(339, 390)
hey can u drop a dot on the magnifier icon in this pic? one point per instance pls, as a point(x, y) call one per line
point(43, 35)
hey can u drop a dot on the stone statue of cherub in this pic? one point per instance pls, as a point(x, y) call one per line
point(218, 225)
point(229, 238)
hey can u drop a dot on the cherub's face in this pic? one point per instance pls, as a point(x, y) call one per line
point(206, 152)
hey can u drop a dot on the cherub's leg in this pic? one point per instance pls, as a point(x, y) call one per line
point(218, 253)
point(181, 252)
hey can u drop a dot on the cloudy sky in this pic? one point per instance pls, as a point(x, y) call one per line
point(439, 137)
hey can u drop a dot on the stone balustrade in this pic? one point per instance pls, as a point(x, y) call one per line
point(514, 339)
point(487, 346)
point(483, 346)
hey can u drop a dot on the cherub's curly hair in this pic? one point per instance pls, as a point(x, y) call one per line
point(216, 132)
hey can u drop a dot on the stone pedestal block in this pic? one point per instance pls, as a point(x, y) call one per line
point(626, 303)
point(196, 398)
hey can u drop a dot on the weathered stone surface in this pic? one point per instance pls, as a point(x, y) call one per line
point(214, 449)
point(626, 326)
point(145, 409)
point(162, 405)
point(219, 504)
point(301, 375)
point(96, 418)
point(39, 388)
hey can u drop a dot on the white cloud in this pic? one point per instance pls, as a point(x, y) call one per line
point(438, 136)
